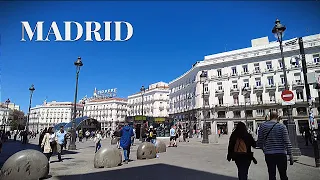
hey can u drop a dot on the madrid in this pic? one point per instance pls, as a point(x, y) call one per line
point(93, 31)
